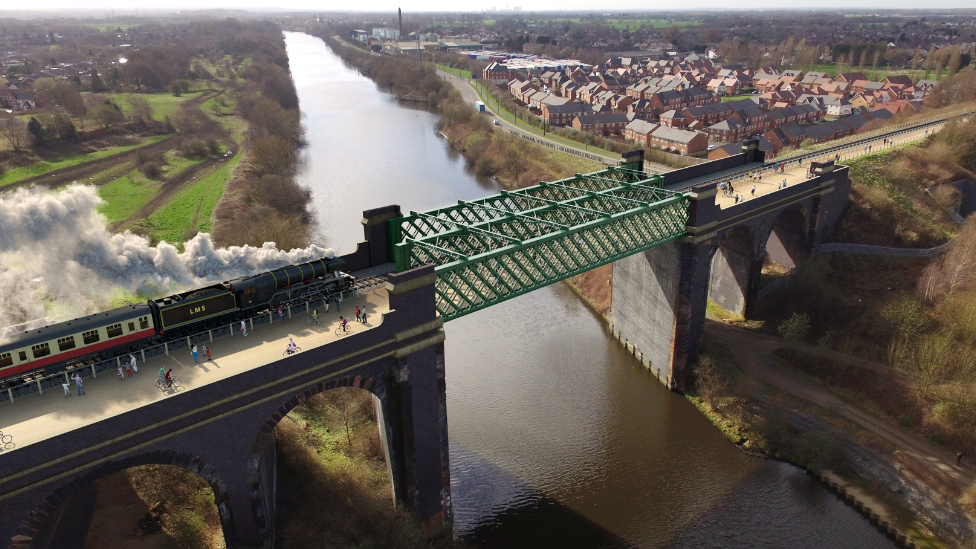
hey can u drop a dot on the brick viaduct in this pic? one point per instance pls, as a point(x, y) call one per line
point(225, 431)
point(660, 295)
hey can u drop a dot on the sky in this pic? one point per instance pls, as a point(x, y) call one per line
point(465, 6)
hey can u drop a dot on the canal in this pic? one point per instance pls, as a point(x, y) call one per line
point(558, 437)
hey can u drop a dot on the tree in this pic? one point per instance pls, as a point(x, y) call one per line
point(108, 114)
point(14, 131)
point(96, 82)
point(36, 131)
point(142, 111)
point(795, 328)
point(175, 88)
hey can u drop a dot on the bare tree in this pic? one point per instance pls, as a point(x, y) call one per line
point(14, 131)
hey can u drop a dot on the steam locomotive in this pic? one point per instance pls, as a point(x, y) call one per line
point(130, 328)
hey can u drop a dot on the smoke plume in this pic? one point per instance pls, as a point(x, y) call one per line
point(59, 261)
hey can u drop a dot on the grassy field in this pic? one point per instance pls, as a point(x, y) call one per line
point(163, 104)
point(728, 98)
point(44, 166)
point(129, 192)
point(191, 209)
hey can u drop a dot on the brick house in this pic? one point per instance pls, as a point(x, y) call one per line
point(559, 115)
point(601, 124)
point(639, 131)
point(683, 142)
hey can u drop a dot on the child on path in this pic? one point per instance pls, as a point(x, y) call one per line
point(207, 351)
point(67, 390)
point(121, 375)
point(128, 369)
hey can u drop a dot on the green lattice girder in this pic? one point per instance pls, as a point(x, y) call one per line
point(493, 249)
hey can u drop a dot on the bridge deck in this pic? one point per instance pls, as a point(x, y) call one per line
point(34, 418)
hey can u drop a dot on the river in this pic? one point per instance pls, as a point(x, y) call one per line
point(558, 437)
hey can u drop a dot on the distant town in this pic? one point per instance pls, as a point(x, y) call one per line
point(684, 88)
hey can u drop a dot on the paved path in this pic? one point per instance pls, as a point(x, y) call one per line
point(35, 417)
point(751, 352)
point(793, 174)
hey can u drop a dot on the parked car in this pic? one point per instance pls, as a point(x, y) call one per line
point(496, 122)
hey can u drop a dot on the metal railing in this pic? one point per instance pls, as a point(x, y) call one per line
point(11, 390)
point(840, 147)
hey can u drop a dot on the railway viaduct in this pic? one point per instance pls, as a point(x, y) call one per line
point(660, 295)
point(224, 431)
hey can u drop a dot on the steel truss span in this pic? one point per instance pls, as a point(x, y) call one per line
point(492, 249)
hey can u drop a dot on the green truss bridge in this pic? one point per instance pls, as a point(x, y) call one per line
point(489, 250)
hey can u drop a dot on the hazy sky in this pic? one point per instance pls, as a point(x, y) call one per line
point(468, 6)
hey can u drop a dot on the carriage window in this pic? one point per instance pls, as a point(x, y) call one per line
point(144, 323)
point(132, 326)
point(115, 330)
point(6, 360)
point(23, 356)
point(90, 337)
point(41, 350)
point(66, 343)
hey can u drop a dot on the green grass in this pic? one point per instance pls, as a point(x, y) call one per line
point(452, 70)
point(163, 104)
point(45, 166)
point(191, 209)
point(124, 196)
point(728, 98)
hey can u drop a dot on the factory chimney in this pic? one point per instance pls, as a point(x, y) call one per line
point(400, 17)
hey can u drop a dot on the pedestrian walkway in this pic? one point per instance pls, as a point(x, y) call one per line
point(41, 416)
point(772, 179)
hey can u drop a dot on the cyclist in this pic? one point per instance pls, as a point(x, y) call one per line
point(291, 345)
point(343, 322)
point(162, 373)
point(168, 381)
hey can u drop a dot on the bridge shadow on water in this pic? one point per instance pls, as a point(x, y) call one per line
point(777, 505)
point(495, 509)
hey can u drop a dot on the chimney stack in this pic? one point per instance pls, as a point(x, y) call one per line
point(400, 17)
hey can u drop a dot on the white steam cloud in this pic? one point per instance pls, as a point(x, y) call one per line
point(58, 259)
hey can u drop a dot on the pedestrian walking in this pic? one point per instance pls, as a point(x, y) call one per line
point(132, 364)
point(760, 178)
point(121, 373)
point(67, 390)
point(81, 388)
point(243, 328)
point(281, 314)
point(753, 190)
point(358, 317)
point(364, 316)
point(196, 355)
point(959, 459)
point(784, 183)
point(206, 351)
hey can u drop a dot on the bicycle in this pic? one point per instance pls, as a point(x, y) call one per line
point(163, 384)
point(343, 330)
point(5, 439)
point(312, 320)
point(291, 351)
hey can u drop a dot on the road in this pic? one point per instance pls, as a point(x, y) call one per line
point(469, 94)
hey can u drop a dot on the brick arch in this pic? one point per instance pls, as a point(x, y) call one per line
point(262, 445)
point(730, 268)
point(38, 517)
point(787, 237)
point(357, 382)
